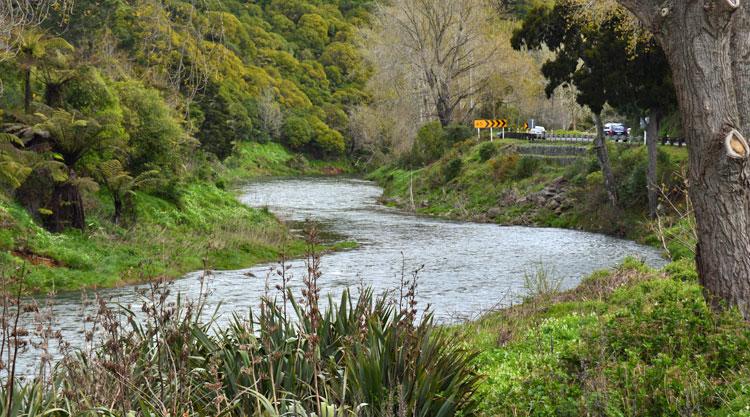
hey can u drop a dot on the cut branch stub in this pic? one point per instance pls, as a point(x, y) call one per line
point(732, 4)
point(736, 145)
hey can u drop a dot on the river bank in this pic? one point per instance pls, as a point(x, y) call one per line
point(513, 183)
point(206, 227)
point(630, 341)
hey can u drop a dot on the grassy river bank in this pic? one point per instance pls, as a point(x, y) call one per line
point(513, 182)
point(204, 227)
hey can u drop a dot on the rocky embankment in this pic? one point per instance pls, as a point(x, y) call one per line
point(554, 198)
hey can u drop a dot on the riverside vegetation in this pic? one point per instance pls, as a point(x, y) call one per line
point(205, 226)
point(445, 175)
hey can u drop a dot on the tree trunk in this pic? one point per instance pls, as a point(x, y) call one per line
point(708, 47)
point(444, 111)
point(652, 137)
point(27, 90)
point(67, 209)
point(602, 155)
point(53, 94)
point(118, 209)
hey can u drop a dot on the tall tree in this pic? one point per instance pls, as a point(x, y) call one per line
point(441, 40)
point(649, 92)
point(707, 43)
point(587, 55)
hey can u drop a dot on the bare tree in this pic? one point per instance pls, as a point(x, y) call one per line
point(17, 16)
point(707, 43)
point(441, 40)
point(269, 113)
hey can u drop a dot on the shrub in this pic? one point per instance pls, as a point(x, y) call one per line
point(429, 145)
point(296, 132)
point(455, 133)
point(504, 165)
point(452, 169)
point(526, 167)
point(486, 151)
point(155, 137)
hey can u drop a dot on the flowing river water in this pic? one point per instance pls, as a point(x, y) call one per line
point(468, 267)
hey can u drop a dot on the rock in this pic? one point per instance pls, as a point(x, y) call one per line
point(494, 212)
point(509, 198)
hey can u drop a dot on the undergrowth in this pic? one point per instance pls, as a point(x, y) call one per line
point(632, 341)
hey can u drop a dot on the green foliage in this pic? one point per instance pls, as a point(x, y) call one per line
point(526, 167)
point(155, 137)
point(224, 122)
point(297, 132)
point(626, 342)
point(429, 145)
point(456, 132)
point(452, 169)
point(486, 151)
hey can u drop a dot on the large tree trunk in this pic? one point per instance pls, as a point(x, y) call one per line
point(708, 47)
point(602, 155)
point(67, 209)
point(652, 137)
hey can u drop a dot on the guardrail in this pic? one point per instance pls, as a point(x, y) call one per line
point(624, 140)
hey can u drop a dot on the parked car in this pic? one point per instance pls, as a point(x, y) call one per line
point(537, 132)
point(615, 130)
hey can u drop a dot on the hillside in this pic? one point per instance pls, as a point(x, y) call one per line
point(123, 124)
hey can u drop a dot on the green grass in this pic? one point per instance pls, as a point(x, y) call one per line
point(252, 160)
point(631, 341)
point(208, 227)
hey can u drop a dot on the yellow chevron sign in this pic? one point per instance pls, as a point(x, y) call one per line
point(486, 124)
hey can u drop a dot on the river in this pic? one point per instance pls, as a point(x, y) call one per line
point(468, 267)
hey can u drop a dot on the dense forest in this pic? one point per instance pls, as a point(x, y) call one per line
point(120, 95)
